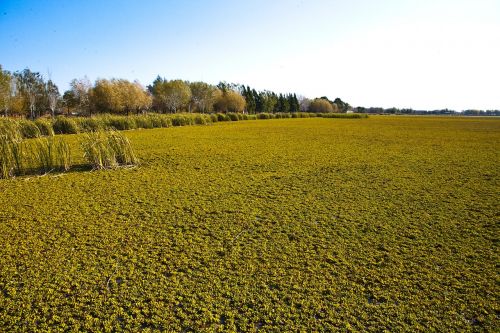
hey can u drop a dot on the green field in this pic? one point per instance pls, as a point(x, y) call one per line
point(385, 223)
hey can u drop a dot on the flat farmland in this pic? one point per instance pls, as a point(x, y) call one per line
point(386, 223)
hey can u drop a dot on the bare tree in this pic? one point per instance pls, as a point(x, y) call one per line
point(81, 89)
point(52, 96)
point(31, 85)
point(304, 103)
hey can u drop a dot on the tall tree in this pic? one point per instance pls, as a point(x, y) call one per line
point(203, 96)
point(320, 105)
point(230, 101)
point(69, 100)
point(294, 103)
point(249, 96)
point(81, 90)
point(119, 96)
point(171, 95)
point(32, 87)
point(269, 100)
point(52, 96)
point(304, 103)
point(342, 106)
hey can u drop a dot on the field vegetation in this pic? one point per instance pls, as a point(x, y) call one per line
point(312, 224)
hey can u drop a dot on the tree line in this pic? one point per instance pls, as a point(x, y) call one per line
point(409, 111)
point(26, 93)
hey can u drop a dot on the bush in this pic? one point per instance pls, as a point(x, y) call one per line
point(199, 120)
point(263, 115)
point(64, 125)
point(222, 117)
point(233, 116)
point(214, 118)
point(182, 120)
point(143, 121)
point(166, 121)
point(119, 123)
point(156, 120)
point(89, 124)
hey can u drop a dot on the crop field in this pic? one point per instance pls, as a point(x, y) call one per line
point(385, 223)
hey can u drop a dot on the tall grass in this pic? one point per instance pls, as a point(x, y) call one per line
point(49, 154)
point(105, 150)
point(28, 129)
point(65, 125)
point(11, 149)
point(122, 149)
point(45, 127)
point(89, 124)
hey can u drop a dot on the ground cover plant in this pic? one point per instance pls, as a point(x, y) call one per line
point(386, 223)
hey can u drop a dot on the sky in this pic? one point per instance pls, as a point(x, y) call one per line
point(420, 54)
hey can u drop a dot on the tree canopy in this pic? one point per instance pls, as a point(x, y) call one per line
point(26, 93)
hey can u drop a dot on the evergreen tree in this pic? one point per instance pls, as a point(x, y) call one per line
point(249, 98)
point(259, 102)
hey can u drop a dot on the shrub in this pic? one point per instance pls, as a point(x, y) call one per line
point(143, 121)
point(182, 120)
point(65, 125)
point(200, 120)
point(119, 122)
point(263, 115)
point(222, 117)
point(89, 124)
point(233, 116)
point(166, 121)
point(214, 118)
point(155, 120)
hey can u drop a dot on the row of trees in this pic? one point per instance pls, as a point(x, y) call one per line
point(393, 110)
point(26, 93)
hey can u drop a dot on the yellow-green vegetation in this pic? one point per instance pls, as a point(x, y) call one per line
point(107, 149)
point(386, 223)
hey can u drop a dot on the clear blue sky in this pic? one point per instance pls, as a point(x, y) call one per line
point(424, 54)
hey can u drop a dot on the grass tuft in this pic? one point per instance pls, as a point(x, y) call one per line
point(107, 150)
